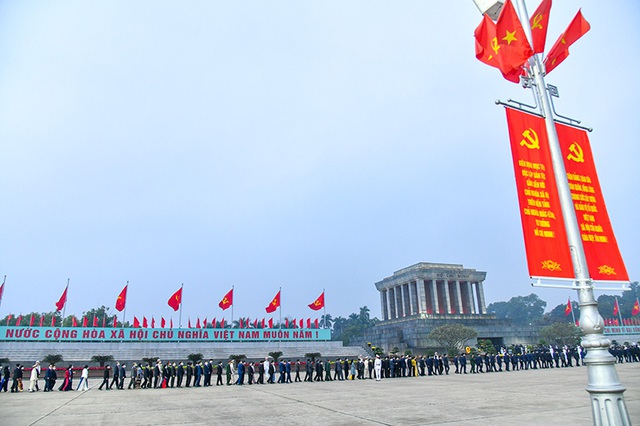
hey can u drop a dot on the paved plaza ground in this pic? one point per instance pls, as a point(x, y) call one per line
point(533, 397)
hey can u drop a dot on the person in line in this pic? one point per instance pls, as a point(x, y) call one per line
point(33, 378)
point(377, 367)
point(84, 379)
point(105, 377)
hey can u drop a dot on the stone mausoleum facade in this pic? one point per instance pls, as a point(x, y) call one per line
point(421, 297)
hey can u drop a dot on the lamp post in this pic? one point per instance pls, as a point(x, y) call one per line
point(604, 387)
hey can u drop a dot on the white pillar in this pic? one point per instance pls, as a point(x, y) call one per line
point(481, 305)
point(447, 298)
point(458, 292)
point(434, 297)
point(422, 298)
point(472, 301)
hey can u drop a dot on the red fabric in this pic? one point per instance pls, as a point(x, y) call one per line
point(560, 50)
point(63, 300)
point(539, 23)
point(616, 308)
point(175, 300)
point(136, 322)
point(275, 304)
point(318, 303)
point(568, 309)
point(636, 308)
point(226, 301)
point(121, 301)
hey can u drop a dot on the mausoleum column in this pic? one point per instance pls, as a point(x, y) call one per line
point(481, 304)
point(459, 308)
point(391, 303)
point(422, 298)
point(447, 299)
point(399, 302)
point(434, 296)
point(383, 305)
point(409, 310)
point(472, 300)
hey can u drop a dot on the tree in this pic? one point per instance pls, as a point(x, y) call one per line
point(520, 309)
point(326, 321)
point(194, 358)
point(561, 333)
point(53, 359)
point(453, 336)
point(355, 325)
point(237, 358)
point(312, 355)
point(557, 313)
point(102, 359)
point(275, 355)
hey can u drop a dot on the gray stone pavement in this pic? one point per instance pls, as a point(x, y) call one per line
point(533, 397)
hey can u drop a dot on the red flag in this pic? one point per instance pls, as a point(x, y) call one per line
point(19, 320)
point(222, 323)
point(539, 22)
point(74, 322)
point(240, 323)
point(197, 323)
point(616, 308)
point(227, 300)
point(560, 50)
point(115, 321)
point(121, 301)
point(503, 44)
point(286, 323)
point(308, 322)
point(145, 324)
point(315, 323)
point(255, 323)
point(604, 260)
point(153, 322)
point(263, 323)
point(319, 303)
point(1, 291)
point(31, 321)
point(176, 299)
point(53, 320)
point(636, 308)
point(95, 321)
point(568, 309)
point(270, 322)
point(136, 323)
point(204, 323)
point(9, 319)
point(162, 322)
point(545, 236)
point(170, 322)
point(214, 323)
point(63, 300)
point(275, 303)
point(85, 321)
point(41, 320)
point(301, 322)
point(189, 323)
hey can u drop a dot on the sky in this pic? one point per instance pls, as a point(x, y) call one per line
point(307, 146)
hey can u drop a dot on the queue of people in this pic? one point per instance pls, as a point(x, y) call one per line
point(200, 374)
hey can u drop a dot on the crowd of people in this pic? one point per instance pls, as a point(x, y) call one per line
point(161, 374)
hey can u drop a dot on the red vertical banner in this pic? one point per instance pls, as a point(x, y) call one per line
point(545, 237)
point(600, 247)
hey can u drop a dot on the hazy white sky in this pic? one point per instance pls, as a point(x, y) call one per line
point(304, 145)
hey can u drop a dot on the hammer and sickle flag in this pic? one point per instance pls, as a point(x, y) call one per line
point(227, 300)
point(175, 300)
point(560, 50)
point(121, 301)
point(539, 22)
point(318, 304)
point(545, 237)
point(275, 304)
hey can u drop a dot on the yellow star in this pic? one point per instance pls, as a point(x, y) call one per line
point(511, 36)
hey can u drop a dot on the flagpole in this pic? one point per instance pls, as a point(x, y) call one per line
point(603, 385)
point(2, 295)
point(232, 303)
point(181, 297)
point(280, 305)
point(66, 297)
point(619, 311)
point(324, 308)
point(573, 315)
point(124, 312)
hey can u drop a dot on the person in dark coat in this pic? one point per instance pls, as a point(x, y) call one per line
point(105, 377)
point(17, 379)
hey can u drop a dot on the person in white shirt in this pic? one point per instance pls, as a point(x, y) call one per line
point(33, 379)
point(377, 367)
point(84, 379)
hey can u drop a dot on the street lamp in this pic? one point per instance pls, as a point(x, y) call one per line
point(604, 387)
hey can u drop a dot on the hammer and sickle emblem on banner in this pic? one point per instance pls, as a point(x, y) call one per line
point(537, 21)
point(576, 154)
point(494, 45)
point(225, 301)
point(530, 139)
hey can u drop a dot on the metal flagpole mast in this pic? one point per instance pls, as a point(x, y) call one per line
point(280, 306)
point(606, 391)
point(181, 297)
point(3, 281)
point(66, 297)
point(619, 311)
point(324, 308)
point(124, 313)
point(232, 303)
point(573, 314)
